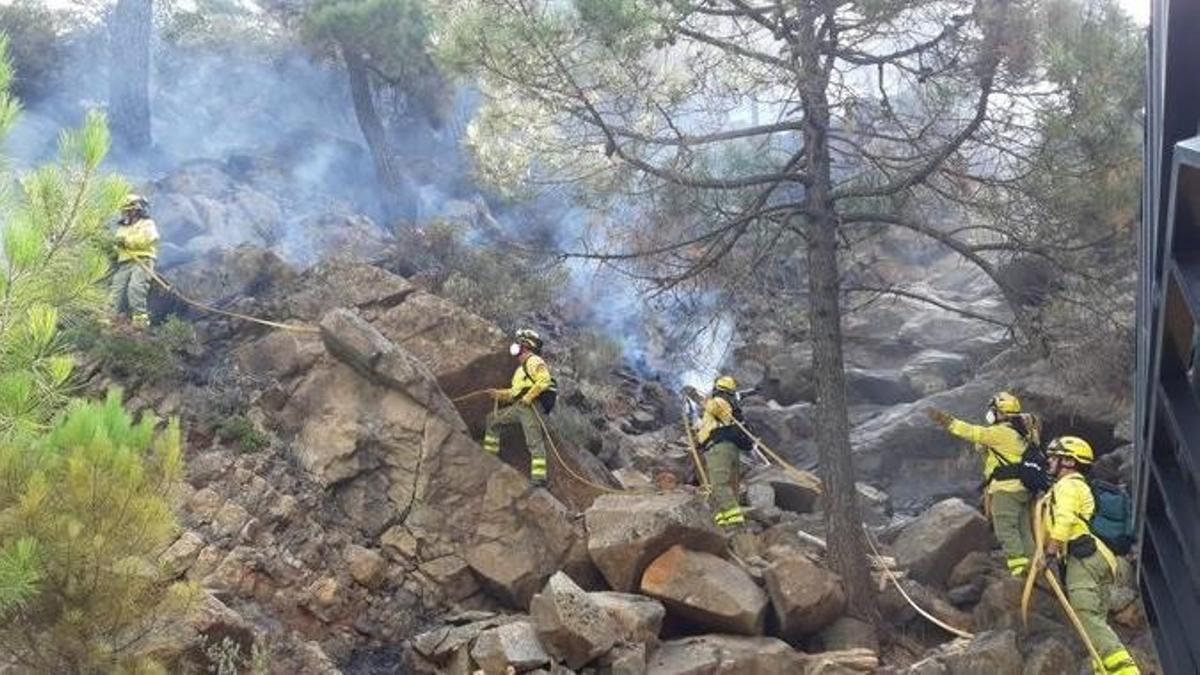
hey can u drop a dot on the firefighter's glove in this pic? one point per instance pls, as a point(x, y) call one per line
point(498, 394)
point(528, 400)
point(940, 417)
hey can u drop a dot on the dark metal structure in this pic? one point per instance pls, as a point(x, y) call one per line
point(1168, 339)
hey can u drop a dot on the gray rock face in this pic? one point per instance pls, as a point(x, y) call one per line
point(880, 387)
point(805, 597)
point(514, 644)
point(706, 590)
point(639, 619)
point(935, 371)
point(930, 546)
point(626, 532)
point(572, 626)
point(714, 654)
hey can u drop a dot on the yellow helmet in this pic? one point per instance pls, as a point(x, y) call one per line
point(527, 337)
point(1005, 404)
point(135, 202)
point(1071, 446)
point(725, 383)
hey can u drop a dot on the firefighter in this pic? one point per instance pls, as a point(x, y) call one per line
point(723, 441)
point(1003, 440)
point(1091, 565)
point(532, 385)
point(136, 248)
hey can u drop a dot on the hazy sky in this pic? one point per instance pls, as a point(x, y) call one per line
point(1138, 9)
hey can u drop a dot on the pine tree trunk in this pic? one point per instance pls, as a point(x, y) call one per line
point(846, 551)
point(130, 27)
point(391, 181)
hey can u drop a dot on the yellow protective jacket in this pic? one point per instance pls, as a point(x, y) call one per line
point(137, 240)
point(718, 414)
point(992, 440)
point(1066, 511)
point(530, 379)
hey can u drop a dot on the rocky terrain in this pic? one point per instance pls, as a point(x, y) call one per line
point(341, 513)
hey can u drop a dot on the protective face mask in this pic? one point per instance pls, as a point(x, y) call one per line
point(990, 417)
point(514, 349)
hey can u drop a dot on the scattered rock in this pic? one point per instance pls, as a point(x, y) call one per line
point(706, 590)
point(970, 569)
point(798, 493)
point(180, 556)
point(847, 633)
point(325, 592)
point(625, 660)
point(514, 644)
point(440, 644)
point(632, 479)
point(930, 546)
point(571, 624)
point(845, 662)
point(366, 566)
point(712, 654)
point(639, 619)
point(230, 519)
point(805, 597)
point(1049, 657)
point(992, 652)
point(626, 532)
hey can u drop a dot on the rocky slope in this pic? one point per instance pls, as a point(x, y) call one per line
point(341, 513)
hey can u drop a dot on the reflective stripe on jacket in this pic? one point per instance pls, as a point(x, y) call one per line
point(992, 440)
point(531, 378)
point(137, 240)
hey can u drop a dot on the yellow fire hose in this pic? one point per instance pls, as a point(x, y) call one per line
point(166, 285)
point(1036, 566)
point(1039, 554)
point(701, 473)
point(1070, 611)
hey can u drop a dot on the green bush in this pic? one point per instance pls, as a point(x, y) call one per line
point(148, 357)
point(243, 433)
point(84, 513)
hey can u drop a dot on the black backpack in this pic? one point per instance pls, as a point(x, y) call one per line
point(1112, 522)
point(1033, 469)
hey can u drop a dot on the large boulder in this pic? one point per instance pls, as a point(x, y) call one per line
point(915, 460)
point(366, 419)
point(626, 532)
point(707, 591)
point(930, 546)
point(717, 654)
point(805, 597)
point(571, 624)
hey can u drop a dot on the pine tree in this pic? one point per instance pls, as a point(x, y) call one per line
point(84, 490)
point(84, 512)
point(53, 238)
